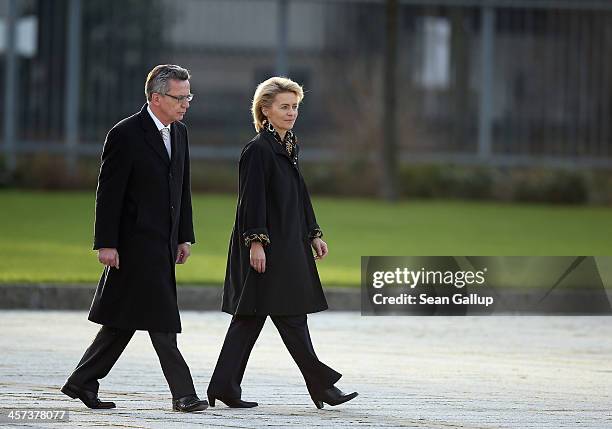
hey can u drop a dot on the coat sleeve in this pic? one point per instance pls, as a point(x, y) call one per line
point(252, 193)
point(185, 231)
point(112, 183)
point(314, 231)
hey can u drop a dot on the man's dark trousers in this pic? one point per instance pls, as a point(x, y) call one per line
point(108, 345)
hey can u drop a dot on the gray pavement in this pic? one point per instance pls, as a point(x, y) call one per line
point(420, 372)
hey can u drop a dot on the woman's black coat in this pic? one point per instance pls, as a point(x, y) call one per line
point(143, 209)
point(272, 201)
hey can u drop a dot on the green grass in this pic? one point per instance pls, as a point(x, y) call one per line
point(47, 237)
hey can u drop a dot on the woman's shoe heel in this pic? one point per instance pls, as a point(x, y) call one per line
point(318, 404)
point(232, 403)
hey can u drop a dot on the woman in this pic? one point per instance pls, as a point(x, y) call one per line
point(271, 269)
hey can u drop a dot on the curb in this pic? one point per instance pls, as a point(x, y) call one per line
point(208, 298)
point(79, 297)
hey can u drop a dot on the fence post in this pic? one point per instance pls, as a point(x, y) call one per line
point(485, 117)
point(10, 88)
point(389, 120)
point(73, 66)
point(282, 34)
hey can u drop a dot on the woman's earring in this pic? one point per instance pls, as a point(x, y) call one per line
point(269, 126)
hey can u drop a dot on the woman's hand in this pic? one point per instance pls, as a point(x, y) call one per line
point(258, 257)
point(320, 247)
point(183, 252)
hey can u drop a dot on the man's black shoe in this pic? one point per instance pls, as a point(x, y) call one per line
point(189, 404)
point(90, 399)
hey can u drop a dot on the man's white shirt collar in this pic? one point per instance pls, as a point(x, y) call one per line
point(160, 127)
point(158, 123)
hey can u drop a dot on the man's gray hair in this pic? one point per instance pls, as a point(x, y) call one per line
point(158, 79)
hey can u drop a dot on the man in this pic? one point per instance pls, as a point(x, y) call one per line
point(143, 227)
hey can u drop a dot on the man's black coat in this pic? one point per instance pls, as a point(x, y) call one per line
point(272, 201)
point(143, 208)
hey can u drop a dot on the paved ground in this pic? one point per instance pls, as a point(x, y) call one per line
point(420, 372)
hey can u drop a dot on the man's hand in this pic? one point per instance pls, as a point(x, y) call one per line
point(109, 257)
point(183, 252)
point(320, 247)
point(258, 257)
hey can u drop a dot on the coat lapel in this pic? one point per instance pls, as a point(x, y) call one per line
point(281, 151)
point(175, 145)
point(153, 136)
point(276, 146)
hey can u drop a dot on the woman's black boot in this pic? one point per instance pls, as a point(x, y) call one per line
point(331, 396)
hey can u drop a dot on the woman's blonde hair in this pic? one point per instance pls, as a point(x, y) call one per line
point(265, 93)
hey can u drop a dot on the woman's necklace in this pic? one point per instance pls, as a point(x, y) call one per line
point(288, 141)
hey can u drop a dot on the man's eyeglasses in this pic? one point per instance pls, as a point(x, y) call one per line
point(180, 98)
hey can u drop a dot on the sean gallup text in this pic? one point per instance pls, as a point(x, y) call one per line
point(425, 299)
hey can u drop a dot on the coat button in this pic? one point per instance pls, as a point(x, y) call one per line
point(170, 175)
point(172, 207)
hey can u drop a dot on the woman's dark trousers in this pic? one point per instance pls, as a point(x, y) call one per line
point(239, 341)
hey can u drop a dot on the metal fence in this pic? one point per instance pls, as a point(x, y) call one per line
point(494, 82)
